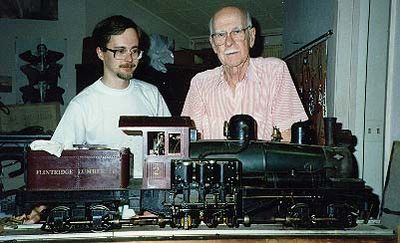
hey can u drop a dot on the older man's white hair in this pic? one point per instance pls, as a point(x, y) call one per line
point(244, 12)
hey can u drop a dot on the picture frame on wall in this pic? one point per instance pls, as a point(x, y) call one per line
point(40, 69)
point(29, 9)
point(5, 84)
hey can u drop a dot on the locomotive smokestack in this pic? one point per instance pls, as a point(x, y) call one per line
point(330, 131)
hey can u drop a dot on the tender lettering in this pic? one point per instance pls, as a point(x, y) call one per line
point(55, 172)
point(90, 171)
point(80, 171)
point(95, 171)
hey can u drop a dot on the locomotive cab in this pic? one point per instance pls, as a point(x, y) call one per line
point(164, 139)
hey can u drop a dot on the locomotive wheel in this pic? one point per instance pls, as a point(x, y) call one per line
point(232, 222)
point(211, 221)
point(351, 220)
point(344, 215)
point(100, 217)
point(211, 224)
point(162, 222)
point(299, 215)
point(58, 220)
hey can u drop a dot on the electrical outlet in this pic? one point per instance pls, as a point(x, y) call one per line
point(374, 131)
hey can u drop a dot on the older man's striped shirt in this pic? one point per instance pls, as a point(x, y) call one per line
point(267, 93)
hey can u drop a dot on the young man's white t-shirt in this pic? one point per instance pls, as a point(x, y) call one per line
point(92, 116)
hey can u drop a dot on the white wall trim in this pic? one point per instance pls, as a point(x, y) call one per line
point(343, 61)
point(358, 76)
point(391, 79)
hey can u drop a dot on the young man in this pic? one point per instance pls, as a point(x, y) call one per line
point(260, 87)
point(92, 116)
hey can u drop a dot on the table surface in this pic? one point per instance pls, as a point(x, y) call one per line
point(33, 233)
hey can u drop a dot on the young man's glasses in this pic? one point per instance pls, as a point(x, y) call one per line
point(122, 54)
point(219, 38)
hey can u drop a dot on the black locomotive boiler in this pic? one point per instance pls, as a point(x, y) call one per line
point(236, 181)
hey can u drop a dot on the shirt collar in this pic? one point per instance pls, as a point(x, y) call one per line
point(249, 75)
point(221, 78)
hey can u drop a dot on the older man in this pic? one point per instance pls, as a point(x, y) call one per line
point(260, 87)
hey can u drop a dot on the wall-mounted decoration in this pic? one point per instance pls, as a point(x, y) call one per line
point(29, 9)
point(308, 67)
point(39, 70)
point(5, 83)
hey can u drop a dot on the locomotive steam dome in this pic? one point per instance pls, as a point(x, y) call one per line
point(241, 127)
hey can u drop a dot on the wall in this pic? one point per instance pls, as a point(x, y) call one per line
point(69, 26)
point(76, 21)
point(305, 20)
point(375, 100)
point(360, 78)
point(357, 70)
point(392, 127)
point(147, 21)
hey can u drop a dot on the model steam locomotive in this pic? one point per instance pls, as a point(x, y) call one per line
point(186, 182)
